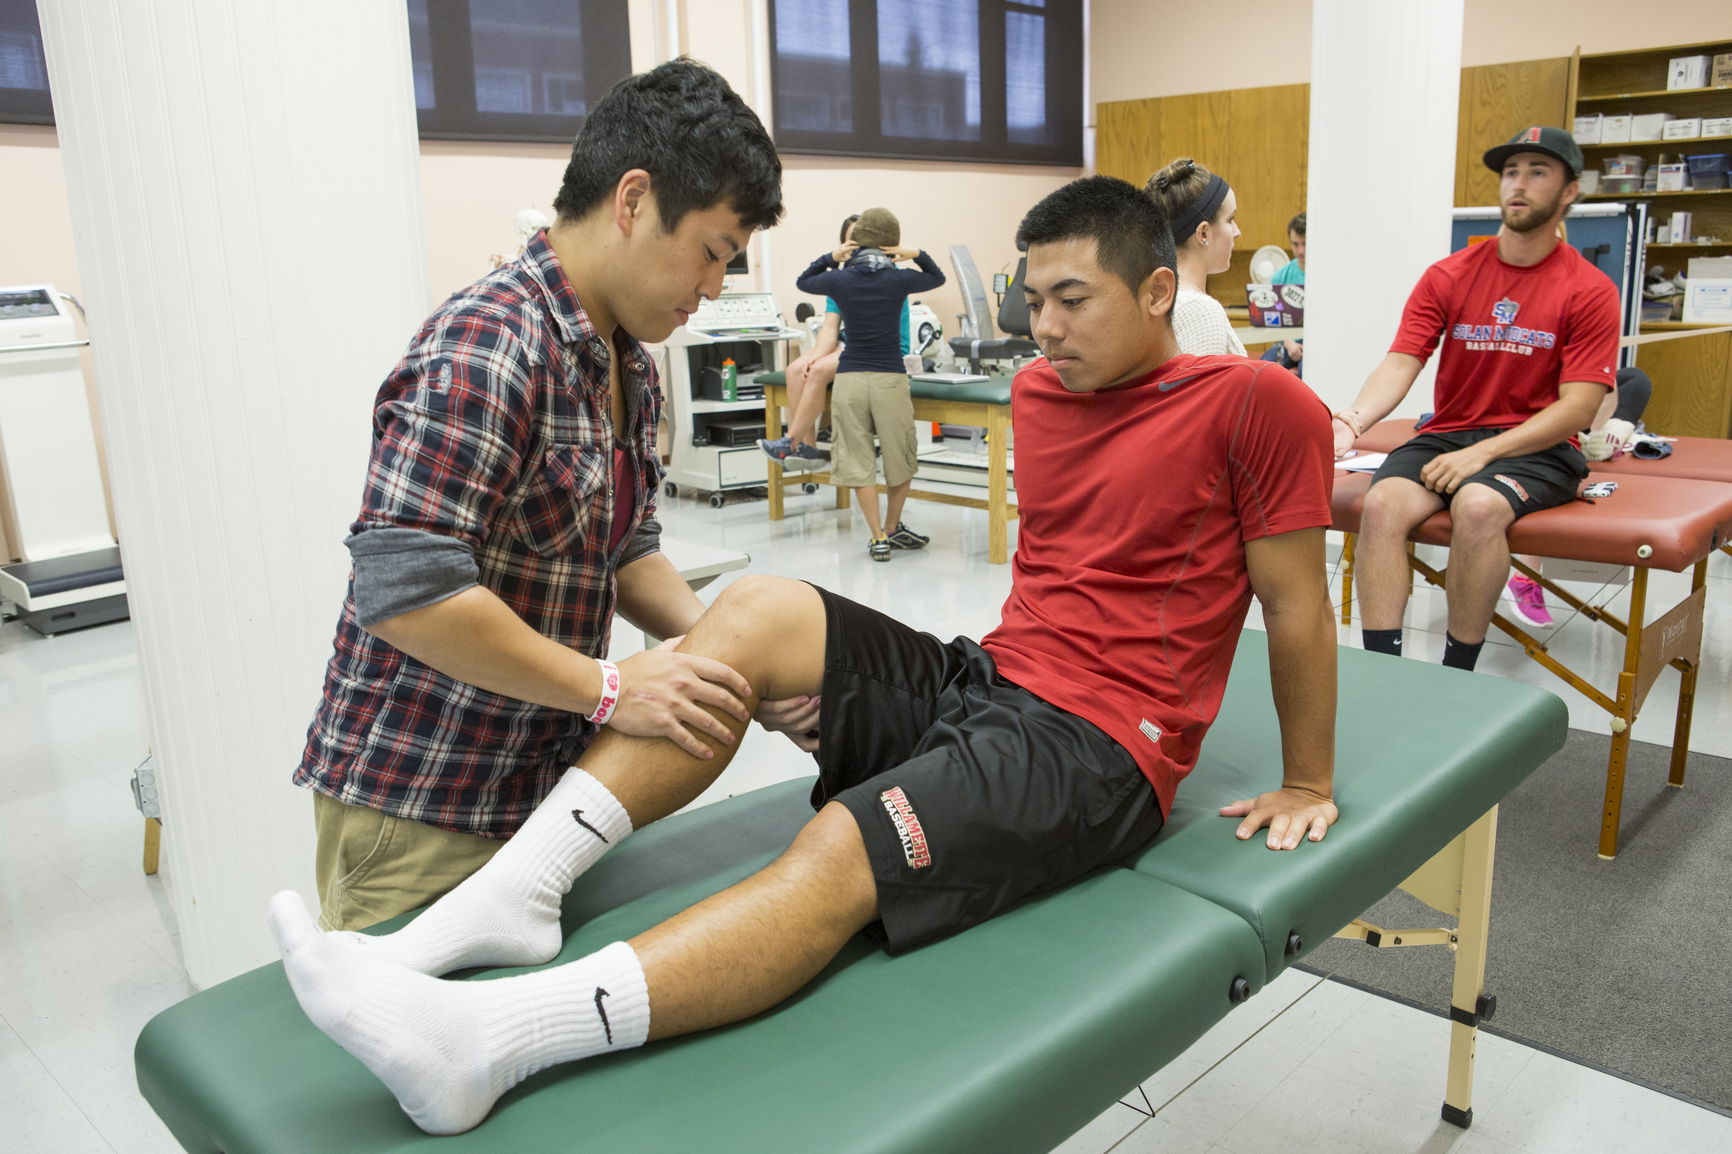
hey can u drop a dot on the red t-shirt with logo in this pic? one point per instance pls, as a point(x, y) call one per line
point(1129, 585)
point(1510, 334)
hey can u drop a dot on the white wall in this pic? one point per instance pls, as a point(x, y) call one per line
point(232, 225)
point(1143, 48)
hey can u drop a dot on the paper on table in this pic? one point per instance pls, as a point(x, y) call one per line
point(1362, 462)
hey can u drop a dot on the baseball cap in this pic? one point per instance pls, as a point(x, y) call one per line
point(1554, 142)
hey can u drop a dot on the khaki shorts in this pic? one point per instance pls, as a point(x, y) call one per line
point(862, 404)
point(371, 866)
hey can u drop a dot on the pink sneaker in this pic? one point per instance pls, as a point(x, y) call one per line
point(1530, 600)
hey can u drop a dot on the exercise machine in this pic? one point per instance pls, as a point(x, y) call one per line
point(69, 575)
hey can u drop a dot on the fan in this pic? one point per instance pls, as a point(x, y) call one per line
point(1266, 262)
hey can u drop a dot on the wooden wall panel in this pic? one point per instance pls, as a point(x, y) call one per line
point(1259, 139)
point(1127, 135)
point(1255, 137)
point(1498, 101)
point(1692, 386)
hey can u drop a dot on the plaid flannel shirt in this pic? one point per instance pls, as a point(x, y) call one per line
point(494, 430)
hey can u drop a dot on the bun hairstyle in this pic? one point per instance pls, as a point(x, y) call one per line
point(842, 237)
point(1189, 192)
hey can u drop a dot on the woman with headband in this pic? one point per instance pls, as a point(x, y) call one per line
point(1201, 208)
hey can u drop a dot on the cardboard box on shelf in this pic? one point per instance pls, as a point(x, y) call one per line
point(1587, 129)
point(1717, 126)
point(1648, 125)
point(1708, 291)
point(1673, 178)
point(1721, 76)
point(1677, 229)
point(1687, 72)
point(1686, 128)
point(1615, 129)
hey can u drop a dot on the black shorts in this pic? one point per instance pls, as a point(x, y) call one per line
point(971, 793)
point(1529, 483)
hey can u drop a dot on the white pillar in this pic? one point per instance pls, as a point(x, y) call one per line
point(243, 184)
point(1385, 78)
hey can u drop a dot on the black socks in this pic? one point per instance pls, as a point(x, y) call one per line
point(1459, 654)
point(1382, 641)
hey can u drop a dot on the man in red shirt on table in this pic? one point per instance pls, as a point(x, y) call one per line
point(954, 779)
point(1530, 345)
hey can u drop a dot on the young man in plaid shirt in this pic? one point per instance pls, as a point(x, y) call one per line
point(509, 513)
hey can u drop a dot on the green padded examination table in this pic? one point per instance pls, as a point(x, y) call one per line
point(1008, 1037)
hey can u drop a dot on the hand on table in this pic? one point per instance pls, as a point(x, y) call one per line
point(1289, 814)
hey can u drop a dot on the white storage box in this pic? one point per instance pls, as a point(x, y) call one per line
point(1717, 126)
point(1687, 72)
point(1615, 129)
point(1678, 228)
point(1648, 125)
point(1673, 178)
point(1587, 129)
point(1708, 291)
point(1689, 128)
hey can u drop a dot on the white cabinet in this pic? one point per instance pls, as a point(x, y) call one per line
point(712, 444)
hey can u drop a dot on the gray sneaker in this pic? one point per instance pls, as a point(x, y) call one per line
point(902, 537)
point(776, 450)
point(807, 452)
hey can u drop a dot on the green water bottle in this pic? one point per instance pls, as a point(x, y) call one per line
point(730, 380)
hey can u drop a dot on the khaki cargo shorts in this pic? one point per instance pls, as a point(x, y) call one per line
point(370, 866)
point(862, 404)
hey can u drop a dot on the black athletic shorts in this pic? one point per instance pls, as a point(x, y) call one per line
point(971, 793)
point(1529, 483)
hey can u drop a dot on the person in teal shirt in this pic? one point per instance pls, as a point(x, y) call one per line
point(1293, 272)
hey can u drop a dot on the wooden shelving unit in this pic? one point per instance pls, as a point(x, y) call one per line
point(1692, 377)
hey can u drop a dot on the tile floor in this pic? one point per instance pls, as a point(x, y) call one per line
point(89, 949)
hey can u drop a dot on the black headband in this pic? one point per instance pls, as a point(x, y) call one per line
point(1204, 209)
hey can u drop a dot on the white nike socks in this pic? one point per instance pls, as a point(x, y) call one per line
point(448, 1050)
point(507, 912)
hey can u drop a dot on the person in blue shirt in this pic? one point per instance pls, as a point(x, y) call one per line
point(808, 378)
point(871, 395)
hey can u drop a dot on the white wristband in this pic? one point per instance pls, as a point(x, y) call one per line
point(609, 693)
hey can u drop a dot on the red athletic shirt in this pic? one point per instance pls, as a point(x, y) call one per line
point(1511, 335)
point(1128, 588)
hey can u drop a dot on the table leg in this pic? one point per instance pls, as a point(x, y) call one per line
point(1623, 716)
point(774, 396)
point(998, 485)
point(1468, 1004)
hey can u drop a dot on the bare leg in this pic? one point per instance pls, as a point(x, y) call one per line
point(747, 948)
point(1478, 559)
point(895, 496)
point(1392, 508)
point(866, 496)
point(806, 409)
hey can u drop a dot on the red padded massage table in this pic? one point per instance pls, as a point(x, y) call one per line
point(1652, 522)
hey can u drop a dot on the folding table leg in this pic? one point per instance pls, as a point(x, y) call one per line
point(1468, 1004)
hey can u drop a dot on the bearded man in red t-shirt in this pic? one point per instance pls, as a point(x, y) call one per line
point(1530, 343)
